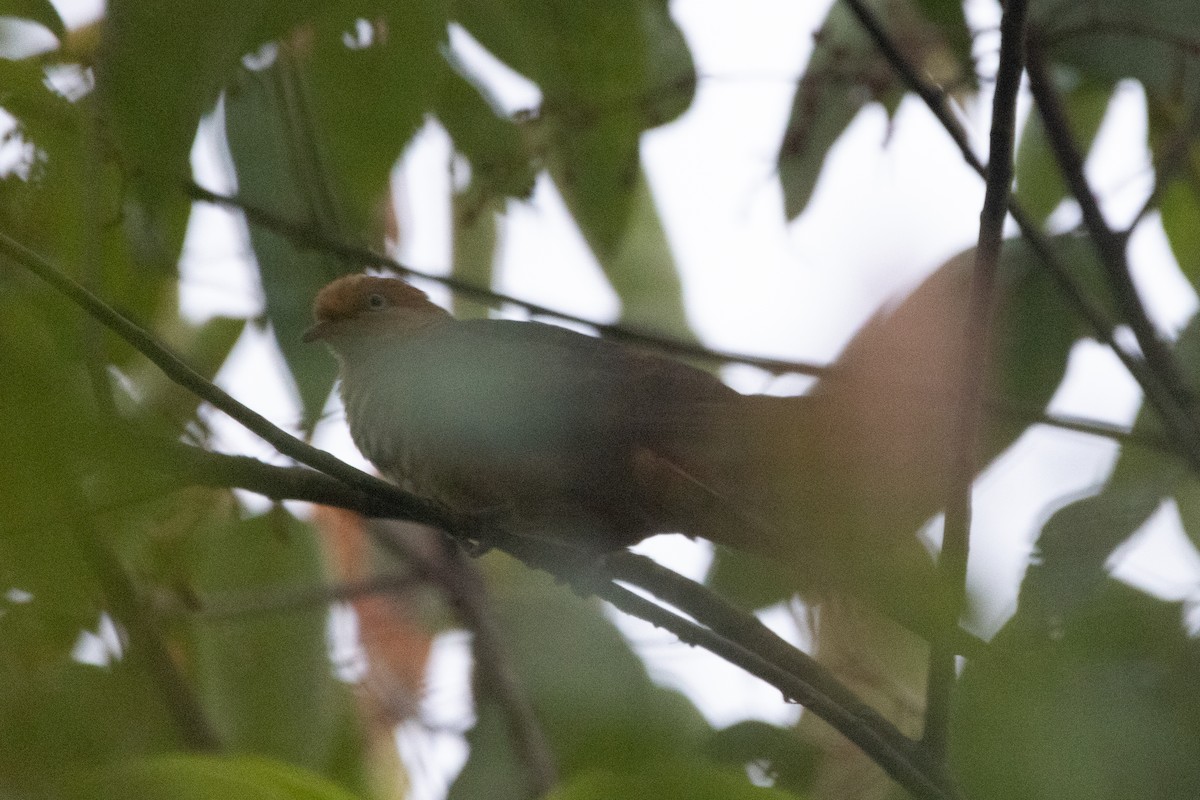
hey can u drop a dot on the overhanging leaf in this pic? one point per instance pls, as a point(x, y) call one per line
point(266, 680)
point(42, 12)
point(1040, 186)
point(202, 777)
point(1106, 708)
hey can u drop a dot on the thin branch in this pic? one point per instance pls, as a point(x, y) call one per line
point(886, 746)
point(933, 96)
point(1175, 419)
point(464, 587)
point(731, 634)
point(1110, 246)
point(363, 491)
point(182, 374)
point(307, 236)
point(952, 562)
point(273, 602)
point(146, 642)
point(304, 235)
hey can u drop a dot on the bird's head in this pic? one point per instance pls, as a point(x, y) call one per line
point(356, 307)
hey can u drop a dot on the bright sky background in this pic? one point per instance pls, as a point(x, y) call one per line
point(895, 201)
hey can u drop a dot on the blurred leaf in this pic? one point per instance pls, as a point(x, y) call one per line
point(845, 73)
point(174, 63)
point(203, 347)
point(785, 756)
point(1040, 186)
point(53, 710)
point(594, 161)
point(500, 163)
point(477, 219)
point(200, 777)
point(590, 691)
point(266, 680)
point(368, 98)
point(1108, 707)
point(1180, 208)
point(50, 427)
point(672, 780)
point(749, 581)
point(643, 272)
point(607, 73)
point(951, 22)
point(1076, 542)
point(1107, 41)
point(277, 170)
point(57, 718)
point(42, 12)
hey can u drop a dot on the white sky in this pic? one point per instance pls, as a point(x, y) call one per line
point(895, 201)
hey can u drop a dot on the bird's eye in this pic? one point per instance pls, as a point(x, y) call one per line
point(376, 301)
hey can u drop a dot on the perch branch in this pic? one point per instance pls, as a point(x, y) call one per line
point(893, 751)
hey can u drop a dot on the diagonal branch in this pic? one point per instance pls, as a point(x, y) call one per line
point(463, 586)
point(1182, 429)
point(307, 236)
point(1110, 245)
point(887, 746)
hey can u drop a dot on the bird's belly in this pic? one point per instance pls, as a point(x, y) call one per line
point(508, 469)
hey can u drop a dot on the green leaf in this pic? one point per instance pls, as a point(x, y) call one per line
point(266, 680)
point(673, 780)
point(1040, 186)
point(1180, 208)
point(951, 22)
point(172, 63)
point(264, 143)
point(643, 272)
point(500, 163)
point(1076, 542)
point(75, 717)
point(203, 347)
point(1106, 707)
point(367, 100)
point(590, 692)
point(607, 72)
point(200, 777)
point(42, 12)
point(846, 72)
point(1110, 40)
point(788, 758)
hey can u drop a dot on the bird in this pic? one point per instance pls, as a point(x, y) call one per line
point(585, 441)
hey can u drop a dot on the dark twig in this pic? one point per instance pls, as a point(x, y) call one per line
point(146, 641)
point(735, 635)
point(1110, 245)
point(952, 562)
point(886, 746)
point(239, 606)
point(188, 378)
point(362, 491)
point(307, 236)
point(933, 96)
point(461, 583)
point(1092, 312)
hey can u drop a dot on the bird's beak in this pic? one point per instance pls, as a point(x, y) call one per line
point(316, 332)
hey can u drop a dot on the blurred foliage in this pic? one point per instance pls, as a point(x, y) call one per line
point(1105, 708)
point(1091, 691)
